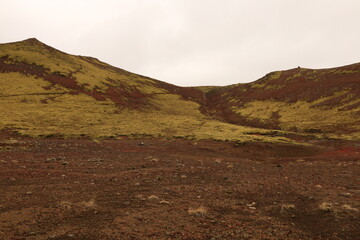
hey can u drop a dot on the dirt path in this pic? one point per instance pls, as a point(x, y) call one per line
point(79, 189)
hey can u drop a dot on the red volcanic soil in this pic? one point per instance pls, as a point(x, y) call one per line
point(117, 189)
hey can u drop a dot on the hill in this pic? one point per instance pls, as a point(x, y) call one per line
point(46, 92)
point(325, 101)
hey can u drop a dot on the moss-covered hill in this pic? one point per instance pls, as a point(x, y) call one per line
point(45, 92)
point(325, 101)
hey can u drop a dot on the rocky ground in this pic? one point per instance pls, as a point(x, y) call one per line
point(177, 189)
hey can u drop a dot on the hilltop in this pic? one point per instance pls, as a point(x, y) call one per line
point(46, 92)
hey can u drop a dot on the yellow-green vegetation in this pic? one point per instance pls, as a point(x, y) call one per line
point(87, 75)
point(293, 76)
point(206, 89)
point(75, 115)
point(266, 86)
point(275, 75)
point(257, 85)
point(15, 83)
point(7, 144)
point(34, 106)
point(274, 86)
point(264, 82)
point(304, 115)
point(345, 71)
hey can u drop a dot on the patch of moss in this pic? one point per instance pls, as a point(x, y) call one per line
point(303, 115)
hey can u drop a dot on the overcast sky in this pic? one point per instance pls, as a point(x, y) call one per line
point(193, 42)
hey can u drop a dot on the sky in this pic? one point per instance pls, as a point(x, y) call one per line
point(193, 42)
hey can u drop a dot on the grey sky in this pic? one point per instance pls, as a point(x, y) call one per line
point(193, 42)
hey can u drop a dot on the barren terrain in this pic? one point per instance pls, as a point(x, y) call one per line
point(56, 188)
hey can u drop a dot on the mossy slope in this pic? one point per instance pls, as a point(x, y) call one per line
point(44, 92)
point(302, 100)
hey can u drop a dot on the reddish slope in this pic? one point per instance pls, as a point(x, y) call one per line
point(289, 86)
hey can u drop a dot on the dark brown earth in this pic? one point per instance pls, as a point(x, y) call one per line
point(177, 189)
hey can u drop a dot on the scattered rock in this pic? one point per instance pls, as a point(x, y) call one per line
point(140, 197)
point(164, 202)
point(287, 208)
point(218, 160)
point(64, 163)
point(348, 207)
point(153, 197)
point(345, 195)
point(65, 205)
point(96, 160)
point(141, 144)
point(153, 159)
point(199, 212)
point(89, 204)
point(53, 159)
point(326, 207)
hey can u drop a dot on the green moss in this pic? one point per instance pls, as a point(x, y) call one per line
point(102, 119)
point(275, 75)
point(88, 75)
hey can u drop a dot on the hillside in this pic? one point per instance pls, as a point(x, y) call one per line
point(323, 101)
point(46, 92)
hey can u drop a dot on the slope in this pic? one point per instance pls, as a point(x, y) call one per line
point(47, 92)
point(325, 101)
